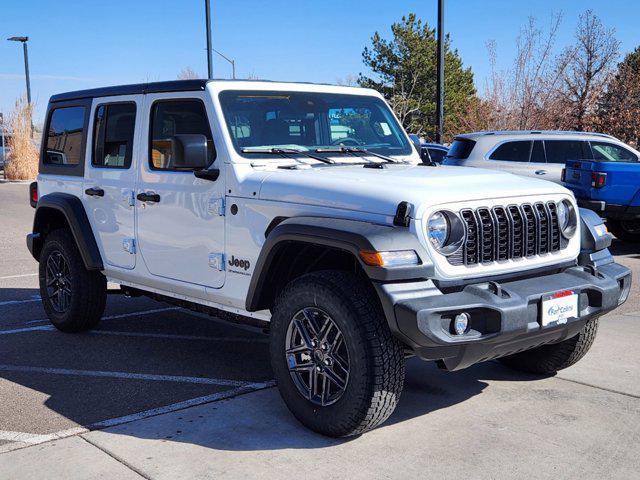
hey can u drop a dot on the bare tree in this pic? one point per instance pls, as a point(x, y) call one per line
point(586, 67)
point(522, 97)
point(187, 73)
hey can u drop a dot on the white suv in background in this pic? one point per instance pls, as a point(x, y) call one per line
point(540, 154)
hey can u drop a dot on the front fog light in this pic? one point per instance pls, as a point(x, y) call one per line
point(461, 323)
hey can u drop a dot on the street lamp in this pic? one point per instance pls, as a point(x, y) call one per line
point(231, 61)
point(24, 41)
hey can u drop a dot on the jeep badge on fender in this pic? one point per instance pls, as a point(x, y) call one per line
point(347, 275)
point(236, 262)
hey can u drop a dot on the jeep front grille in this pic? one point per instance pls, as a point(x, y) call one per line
point(504, 233)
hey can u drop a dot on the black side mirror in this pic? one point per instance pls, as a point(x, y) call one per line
point(191, 151)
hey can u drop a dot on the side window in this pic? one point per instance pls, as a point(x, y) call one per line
point(436, 154)
point(113, 135)
point(65, 136)
point(537, 153)
point(559, 151)
point(512, 151)
point(180, 128)
point(609, 152)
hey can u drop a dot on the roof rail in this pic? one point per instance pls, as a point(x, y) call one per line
point(537, 132)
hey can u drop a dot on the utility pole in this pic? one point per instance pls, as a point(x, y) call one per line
point(231, 61)
point(440, 75)
point(207, 5)
point(24, 41)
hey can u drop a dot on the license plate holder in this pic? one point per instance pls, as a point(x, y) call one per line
point(558, 307)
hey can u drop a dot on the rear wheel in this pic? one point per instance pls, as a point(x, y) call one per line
point(73, 297)
point(548, 359)
point(625, 230)
point(337, 366)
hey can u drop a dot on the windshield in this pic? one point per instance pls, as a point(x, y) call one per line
point(259, 120)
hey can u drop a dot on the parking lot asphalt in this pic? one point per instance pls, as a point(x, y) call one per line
point(160, 392)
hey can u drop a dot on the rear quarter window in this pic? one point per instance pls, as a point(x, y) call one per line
point(65, 136)
point(460, 149)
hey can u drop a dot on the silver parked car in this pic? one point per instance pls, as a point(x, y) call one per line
point(540, 154)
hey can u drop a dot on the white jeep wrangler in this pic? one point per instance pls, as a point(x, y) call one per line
point(305, 209)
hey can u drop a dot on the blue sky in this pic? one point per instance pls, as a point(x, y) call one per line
point(82, 44)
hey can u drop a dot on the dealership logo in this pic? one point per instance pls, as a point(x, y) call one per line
point(239, 263)
point(559, 310)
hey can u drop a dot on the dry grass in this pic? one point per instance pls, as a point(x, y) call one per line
point(22, 162)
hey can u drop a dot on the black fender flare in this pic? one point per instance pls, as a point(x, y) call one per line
point(75, 215)
point(351, 236)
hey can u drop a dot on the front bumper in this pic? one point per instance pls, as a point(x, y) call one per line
point(505, 317)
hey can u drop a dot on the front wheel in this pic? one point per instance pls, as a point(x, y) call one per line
point(337, 366)
point(548, 359)
point(625, 230)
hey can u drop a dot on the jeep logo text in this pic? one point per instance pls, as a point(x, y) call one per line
point(237, 262)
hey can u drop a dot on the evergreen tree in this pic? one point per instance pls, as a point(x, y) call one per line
point(404, 71)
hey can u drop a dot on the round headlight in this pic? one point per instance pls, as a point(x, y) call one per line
point(445, 232)
point(567, 218)
point(438, 230)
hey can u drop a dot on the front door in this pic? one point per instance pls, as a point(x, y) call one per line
point(180, 227)
point(110, 177)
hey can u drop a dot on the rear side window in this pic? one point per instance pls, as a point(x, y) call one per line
point(609, 152)
point(171, 119)
point(512, 152)
point(64, 138)
point(113, 135)
point(559, 151)
point(461, 148)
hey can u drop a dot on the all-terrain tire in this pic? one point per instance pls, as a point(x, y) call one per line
point(548, 359)
point(625, 230)
point(376, 358)
point(88, 289)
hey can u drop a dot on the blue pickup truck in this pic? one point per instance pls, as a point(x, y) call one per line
point(609, 185)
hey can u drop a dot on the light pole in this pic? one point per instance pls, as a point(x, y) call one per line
point(207, 6)
point(231, 61)
point(24, 41)
point(440, 74)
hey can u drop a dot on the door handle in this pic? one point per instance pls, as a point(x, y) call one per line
point(94, 192)
point(541, 172)
point(148, 197)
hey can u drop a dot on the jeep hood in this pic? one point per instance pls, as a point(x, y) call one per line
point(379, 190)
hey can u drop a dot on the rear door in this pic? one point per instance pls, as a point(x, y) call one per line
point(180, 224)
point(511, 156)
point(110, 177)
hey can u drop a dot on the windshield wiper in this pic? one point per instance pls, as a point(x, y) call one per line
point(286, 152)
point(356, 150)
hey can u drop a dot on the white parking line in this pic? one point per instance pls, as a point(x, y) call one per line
point(35, 298)
point(19, 276)
point(34, 439)
point(178, 336)
point(125, 375)
point(121, 315)
point(42, 328)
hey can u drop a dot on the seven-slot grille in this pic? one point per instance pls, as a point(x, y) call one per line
point(515, 231)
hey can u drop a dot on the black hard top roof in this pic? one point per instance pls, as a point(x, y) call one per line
point(134, 89)
point(152, 87)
